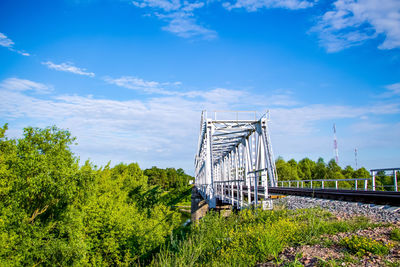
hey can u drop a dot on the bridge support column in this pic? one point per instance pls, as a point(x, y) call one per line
point(199, 206)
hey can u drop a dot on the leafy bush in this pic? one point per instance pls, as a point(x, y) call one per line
point(395, 234)
point(361, 245)
point(55, 212)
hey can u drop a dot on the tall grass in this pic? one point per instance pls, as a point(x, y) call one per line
point(250, 237)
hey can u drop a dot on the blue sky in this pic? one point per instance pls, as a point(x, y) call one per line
point(129, 78)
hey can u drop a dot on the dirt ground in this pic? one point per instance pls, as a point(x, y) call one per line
point(328, 252)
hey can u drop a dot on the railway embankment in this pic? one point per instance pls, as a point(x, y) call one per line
point(343, 209)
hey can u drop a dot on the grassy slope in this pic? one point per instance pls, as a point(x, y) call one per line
point(251, 237)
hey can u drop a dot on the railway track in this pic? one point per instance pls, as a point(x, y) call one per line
point(371, 197)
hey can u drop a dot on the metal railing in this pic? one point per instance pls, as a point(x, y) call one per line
point(359, 184)
point(323, 182)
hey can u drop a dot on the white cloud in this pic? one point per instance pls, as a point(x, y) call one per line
point(301, 120)
point(394, 88)
point(160, 4)
point(179, 16)
point(150, 87)
point(133, 83)
point(254, 5)
point(23, 53)
point(163, 130)
point(187, 27)
point(68, 67)
point(5, 41)
point(352, 22)
point(216, 95)
point(15, 84)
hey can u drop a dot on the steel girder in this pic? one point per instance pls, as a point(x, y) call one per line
point(232, 155)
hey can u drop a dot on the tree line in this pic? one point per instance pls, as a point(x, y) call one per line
point(307, 169)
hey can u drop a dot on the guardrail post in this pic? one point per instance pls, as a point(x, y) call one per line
point(365, 184)
point(302, 184)
point(233, 201)
point(355, 184)
point(256, 188)
point(311, 185)
point(395, 180)
point(336, 184)
point(322, 184)
point(373, 181)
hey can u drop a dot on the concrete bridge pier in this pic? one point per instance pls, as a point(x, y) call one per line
point(199, 206)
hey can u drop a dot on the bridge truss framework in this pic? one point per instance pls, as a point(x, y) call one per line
point(234, 160)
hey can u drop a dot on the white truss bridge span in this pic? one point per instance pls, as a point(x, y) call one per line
point(234, 163)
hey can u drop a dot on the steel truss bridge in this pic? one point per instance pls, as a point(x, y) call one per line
point(234, 163)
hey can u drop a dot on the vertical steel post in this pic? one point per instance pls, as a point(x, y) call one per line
point(336, 184)
point(395, 180)
point(209, 173)
point(355, 184)
point(373, 180)
point(235, 153)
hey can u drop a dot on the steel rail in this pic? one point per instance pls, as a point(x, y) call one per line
point(373, 197)
point(370, 197)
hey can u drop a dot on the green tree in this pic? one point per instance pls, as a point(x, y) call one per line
point(333, 170)
point(306, 169)
point(348, 172)
point(40, 181)
point(320, 169)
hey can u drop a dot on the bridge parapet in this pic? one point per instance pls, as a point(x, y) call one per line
point(234, 159)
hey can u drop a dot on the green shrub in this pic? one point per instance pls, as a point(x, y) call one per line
point(395, 234)
point(361, 245)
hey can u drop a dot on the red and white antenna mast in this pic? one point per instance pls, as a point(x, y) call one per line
point(355, 156)
point(335, 144)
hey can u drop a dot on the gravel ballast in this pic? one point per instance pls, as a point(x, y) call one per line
point(343, 208)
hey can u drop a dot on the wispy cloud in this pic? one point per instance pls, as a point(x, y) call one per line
point(179, 17)
point(138, 84)
point(7, 42)
point(394, 88)
point(392, 91)
point(352, 22)
point(215, 95)
point(16, 84)
point(183, 25)
point(163, 130)
point(254, 5)
point(68, 67)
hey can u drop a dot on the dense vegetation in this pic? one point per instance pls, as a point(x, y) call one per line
point(53, 211)
point(251, 237)
point(307, 169)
